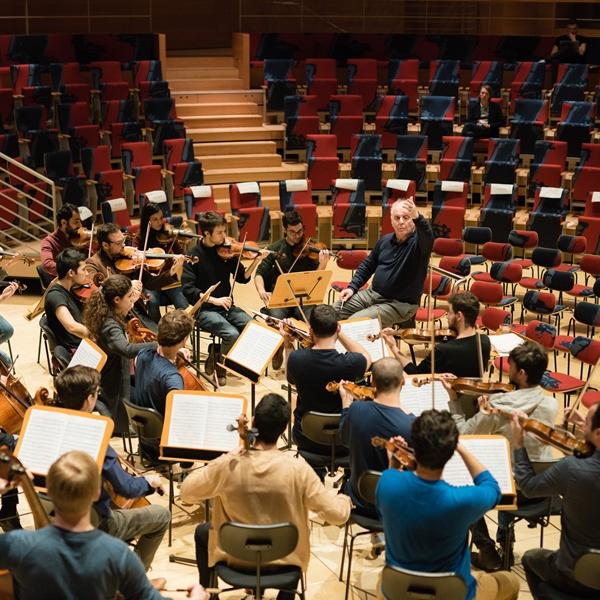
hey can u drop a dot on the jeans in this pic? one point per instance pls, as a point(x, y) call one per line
point(368, 303)
point(158, 298)
point(226, 324)
point(148, 524)
point(540, 567)
point(6, 332)
point(288, 313)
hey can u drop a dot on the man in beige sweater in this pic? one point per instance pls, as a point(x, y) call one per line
point(259, 487)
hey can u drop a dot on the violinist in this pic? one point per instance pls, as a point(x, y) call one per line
point(527, 364)
point(218, 315)
point(458, 355)
point(426, 520)
point(6, 329)
point(398, 264)
point(163, 289)
point(69, 224)
point(104, 316)
point(77, 388)
point(63, 309)
point(155, 371)
point(577, 481)
point(310, 369)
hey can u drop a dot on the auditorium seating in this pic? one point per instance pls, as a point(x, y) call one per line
point(436, 118)
point(279, 81)
point(362, 80)
point(321, 80)
point(570, 85)
point(486, 72)
point(348, 200)
point(444, 78)
point(108, 181)
point(450, 200)
point(367, 160)
point(391, 119)
point(403, 80)
point(411, 159)
point(527, 122)
point(296, 194)
point(301, 119)
point(549, 209)
point(345, 117)
point(498, 209)
point(456, 158)
point(137, 164)
point(575, 125)
point(254, 222)
point(322, 159)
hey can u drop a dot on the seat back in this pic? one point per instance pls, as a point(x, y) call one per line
point(585, 349)
point(321, 146)
point(551, 200)
point(244, 195)
point(351, 259)
point(367, 485)
point(147, 70)
point(437, 108)
point(320, 68)
point(294, 192)
point(399, 584)
point(486, 72)
point(500, 196)
point(396, 189)
point(550, 152)
point(147, 422)
point(115, 211)
point(345, 106)
point(350, 191)
point(197, 199)
point(590, 156)
point(321, 428)
point(136, 154)
point(528, 80)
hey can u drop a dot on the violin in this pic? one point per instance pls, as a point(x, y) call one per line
point(155, 260)
point(298, 332)
point(563, 440)
point(21, 287)
point(248, 250)
point(312, 250)
point(247, 435)
point(81, 239)
point(138, 334)
point(360, 391)
point(417, 335)
point(404, 455)
point(83, 292)
point(462, 385)
point(168, 234)
point(28, 259)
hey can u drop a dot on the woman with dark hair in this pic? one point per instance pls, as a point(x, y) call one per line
point(104, 316)
point(165, 288)
point(484, 118)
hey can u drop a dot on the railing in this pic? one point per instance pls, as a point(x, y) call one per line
point(34, 212)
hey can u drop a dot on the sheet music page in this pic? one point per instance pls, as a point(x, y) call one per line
point(358, 330)
point(86, 355)
point(415, 399)
point(200, 422)
point(503, 343)
point(255, 346)
point(492, 452)
point(50, 434)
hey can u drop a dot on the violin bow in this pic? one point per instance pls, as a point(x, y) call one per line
point(306, 243)
point(144, 255)
point(91, 241)
point(432, 330)
point(479, 352)
point(584, 389)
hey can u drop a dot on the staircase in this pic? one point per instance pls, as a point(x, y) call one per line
point(226, 123)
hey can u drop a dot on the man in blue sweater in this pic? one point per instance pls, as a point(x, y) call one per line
point(399, 263)
point(426, 520)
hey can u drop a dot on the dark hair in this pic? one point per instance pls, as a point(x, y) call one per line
point(387, 374)
point(103, 231)
point(434, 437)
point(101, 304)
point(271, 417)
point(69, 259)
point(468, 304)
point(174, 327)
point(149, 209)
point(209, 220)
point(323, 321)
point(75, 384)
point(532, 358)
point(291, 217)
point(65, 212)
point(488, 88)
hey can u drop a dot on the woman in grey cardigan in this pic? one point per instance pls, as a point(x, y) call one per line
point(104, 316)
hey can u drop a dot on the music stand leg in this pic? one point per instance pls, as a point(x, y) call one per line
point(252, 397)
point(171, 494)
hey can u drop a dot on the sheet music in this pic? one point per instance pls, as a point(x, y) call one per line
point(358, 330)
point(200, 422)
point(255, 346)
point(50, 434)
point(503, 343)
point(86, 355)
point(493, 452)
point(415, 399)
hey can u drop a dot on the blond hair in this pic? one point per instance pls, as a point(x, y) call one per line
point(73, 483)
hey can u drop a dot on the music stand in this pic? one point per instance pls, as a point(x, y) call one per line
point(302, 288)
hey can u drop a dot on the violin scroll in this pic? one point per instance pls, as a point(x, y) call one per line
point(247, 435)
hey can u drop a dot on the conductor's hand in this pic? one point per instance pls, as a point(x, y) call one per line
point(409, 203)
point(265, 297)
point(223, 302)
point(323, 258)
point(346, 295)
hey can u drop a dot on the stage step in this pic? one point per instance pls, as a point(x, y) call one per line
point(214, 83)
point(213, 96)
point(285, 171)
point(239, 161)
point(194, 72)
point(196, 109)
point(220, 148)
point(228, 121)
point(182, 62)
point(234, 134)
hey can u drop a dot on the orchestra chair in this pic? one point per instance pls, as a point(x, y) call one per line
point(403, 80)
point(279, 81)
point(345, 117)
point(542, 304)
point(493, 252)
point(585, 313)
point(296, 194)
point(391, 119)
point(362, 80)
point(550, 206)
point(589, 223)
point(504, 272)
point(441, 288)
point(257, 546)
point(575, 125)
point(571, 245)
point(253, 219)
point(456, 158)
point(198, 199)
point(108, 182)
point(400, 584)
point(498, 210)
point(450, 199)
point(367, 485)
point(447, 247)
point(301, 118)
point(503, 158)
point(75, 126)
point(321, 79)
point(411, 159)
point(444, 78)
point(585, 181)
point(527, 122)
point(57, 357)
point(322, 159)
point(115, 211)
point(493, 318)
point(436, 118)
point(486, 72)
point(585, 571)
point(68, 82)
point(537, 511)
point(349, 208)
point(349, 260)
point(528, 81)
point(366, 159)
point(523, 240)
point(571, 82)
point(477, 236)
point(492, 294)
point(322, 428)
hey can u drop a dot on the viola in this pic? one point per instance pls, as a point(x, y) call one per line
point(14, 401)
point(563, 440)
point(417, 335)
point(247, 435)
point(403, 454)
point(154, 262)
point(360, 391)
point(81, 239)
point(312, 250)
point(138, 334)
point(462, 385)
point(298, 332)
point(248, 250)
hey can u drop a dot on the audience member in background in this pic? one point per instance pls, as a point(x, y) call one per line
point(484, 118)
point(69, 223)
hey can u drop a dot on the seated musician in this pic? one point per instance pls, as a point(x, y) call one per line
point(259, 487)
point(577, 480)
point(426, 520)
point(398, 263)
point(458, 355)
point(104, 316)
point(6, 329)
point(285, 262)
point(311, 369)
point(9, 517)
point(155, 371)
point(361, 421)
point(164, 289)
point(63, 309)
point(484, 118)
point(77, 388)
point(69, 558)
point(527, 364)
point(218, 314)
point(69, 223)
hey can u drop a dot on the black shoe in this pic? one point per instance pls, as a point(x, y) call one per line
point(209, 365)
point(487, 559)
point(277, 359)
point(221, 375)
point(511, 557)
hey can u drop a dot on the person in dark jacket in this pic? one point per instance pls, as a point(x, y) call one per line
point(484, 118)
